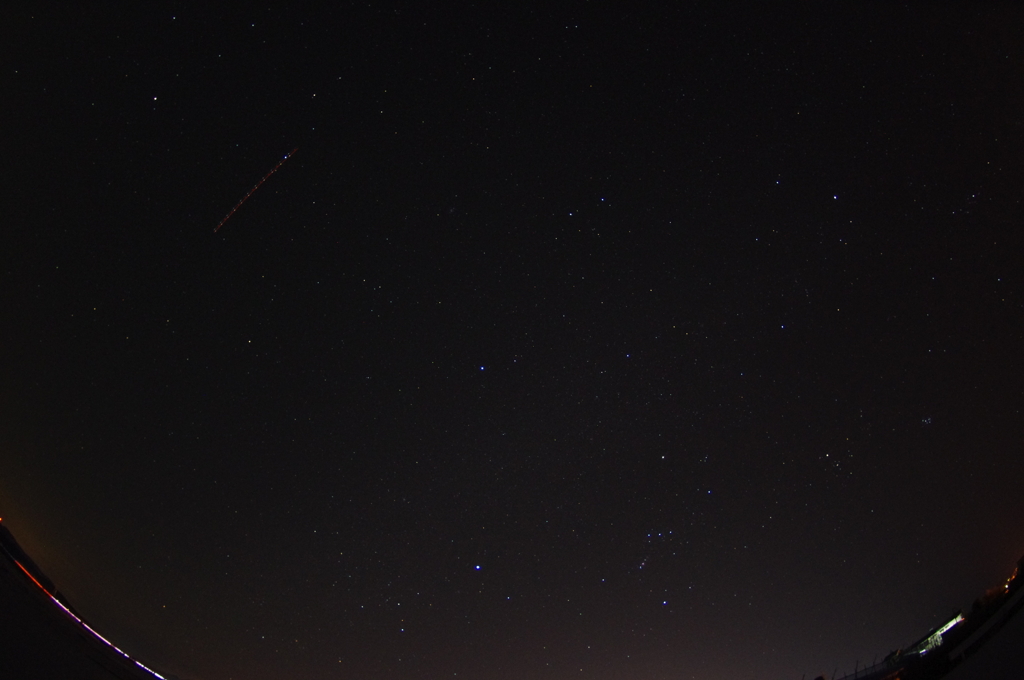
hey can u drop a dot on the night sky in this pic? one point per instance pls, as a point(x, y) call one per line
point(585, 341)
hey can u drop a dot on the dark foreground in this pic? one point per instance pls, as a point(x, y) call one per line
point(1001, 658)
point(40, 640)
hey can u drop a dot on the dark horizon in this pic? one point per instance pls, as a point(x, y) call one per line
point(573, 341)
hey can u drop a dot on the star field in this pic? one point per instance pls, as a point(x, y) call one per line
point(578, 342)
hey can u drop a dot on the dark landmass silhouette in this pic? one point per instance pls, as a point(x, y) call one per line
point(41, 634)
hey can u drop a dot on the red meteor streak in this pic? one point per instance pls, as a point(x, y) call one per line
point(253, 190)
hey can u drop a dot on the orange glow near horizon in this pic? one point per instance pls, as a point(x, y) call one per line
point(86, 625)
